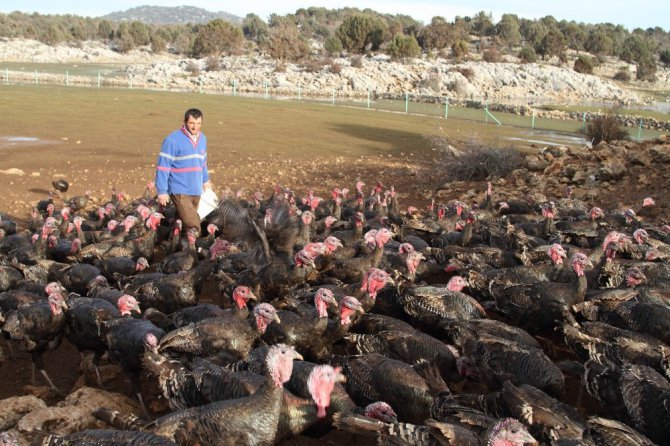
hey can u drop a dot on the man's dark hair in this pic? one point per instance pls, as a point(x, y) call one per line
point(194, 112)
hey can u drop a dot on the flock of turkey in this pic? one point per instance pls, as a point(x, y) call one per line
point(454, 325)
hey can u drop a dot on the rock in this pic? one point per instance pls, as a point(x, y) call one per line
point(75, 412)
point(13, 171)
point(612, 169)
point(14, 408)
point(536, 163)
point(660, 153)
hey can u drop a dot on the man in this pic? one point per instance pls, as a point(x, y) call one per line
point(181, 171)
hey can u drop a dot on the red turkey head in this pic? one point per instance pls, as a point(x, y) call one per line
point(596, 212)
point(332, 243)
point(405, 248)
point(320, 383)
point(635, 277)
point(54, 287)
point(307, 217)
point(457, 283)
point(383, 236)
point(265, 314)
point(579, 261)
point(412, 262)
point(348, 306)
point(65, 213)
point(57, 303)
point(219, 247)
point(359, 186)
point(381, 411)
point(335, 193)
point(77, 221)
point(151, 343)
point(191, 236)
point(75, 247)
point(647, 202)
point(212, 228)
point(510, 432)
point(640, 236)
point(129, 222)
point(374, 280)
point(141, 264)
point(101, 213)
point(322, 298)
point(279, 362)
point(329, 221)
point(304, 258)
point(112, 225)
point(154, 220)
point(556, 254)
point(127, 304)
point(241, 295)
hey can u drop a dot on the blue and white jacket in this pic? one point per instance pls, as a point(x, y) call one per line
point(182, 164)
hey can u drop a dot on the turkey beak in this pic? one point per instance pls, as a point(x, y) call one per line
point(276, 318)
point(298, 356)
point(252, 296)
point(360, 309)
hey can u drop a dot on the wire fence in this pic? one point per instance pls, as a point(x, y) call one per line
point(407, 103)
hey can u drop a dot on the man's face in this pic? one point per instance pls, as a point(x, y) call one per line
point(193, 125)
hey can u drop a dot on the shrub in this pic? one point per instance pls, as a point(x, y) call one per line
point(311, 66)
point(193, 68)
point(604, 128)
point(622, 75)
point(357, 62)
point(335, 68)
point(333, 45)
point(492, 55)
point(433, 82)
point(158, 44)
point(475, 161)
point(527, 55)
point(664, 57)
point(280, 67)
point(403, 47)
point(213, 64)
point(646, 69)
point(584, 65)
point(460, 48)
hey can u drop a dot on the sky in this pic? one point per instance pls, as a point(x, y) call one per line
point(631, 14)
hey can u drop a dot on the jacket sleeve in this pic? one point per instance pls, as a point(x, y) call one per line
point(163, 166)
point(205, 173)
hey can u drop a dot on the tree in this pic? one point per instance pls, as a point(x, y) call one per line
point(105, 30)
point(437, 34)
point(255, 29)
point(158, 44)
point(575, 35)
point(584, 65)
point(216, 38)
point(124, 41)
point(599, 42)
point(460, 48)
point(646, 68)
point(403, 47)
point(52, 35)
point(635, 48)
point(359, 31)
point(664, 57)
point(507, 30)
point(552, 44)
point(139, 32)
point(527, 55)
point(286, 43)
point(533, 32)
point(482, 24)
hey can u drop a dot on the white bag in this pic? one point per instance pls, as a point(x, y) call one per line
point(208, 202)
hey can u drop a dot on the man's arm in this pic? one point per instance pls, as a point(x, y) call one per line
point(163, 166)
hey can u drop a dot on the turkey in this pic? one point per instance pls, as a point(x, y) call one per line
point(539, 306)
point(508, 432)
point(107, 437)
point(84, 321)
point(251, 420)
point(301, 328)
point(374, 377)
point(181, 260)
point(127, 340)
point(606, 432)
point(229, 335)
point(38, 327)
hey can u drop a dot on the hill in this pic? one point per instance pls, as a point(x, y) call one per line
point(164, 15)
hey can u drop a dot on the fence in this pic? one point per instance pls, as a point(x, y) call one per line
point(519, 116)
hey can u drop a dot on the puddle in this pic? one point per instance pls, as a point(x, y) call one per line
point(548, 138)
point(21, 141)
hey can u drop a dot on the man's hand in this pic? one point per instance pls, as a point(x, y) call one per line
point(207, 185)
point(163, 199)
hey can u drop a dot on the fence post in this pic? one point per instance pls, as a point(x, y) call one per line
point(406, 103)
point(368, 98)
point(234, 87)
point(486, 112)
point(532, 125)
point(67, 77)
point(299, 92)
point(98, 79)
point(6, 75)
point(583, 120)
point(266, 88)
point(639, 131)
point(446, 108)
